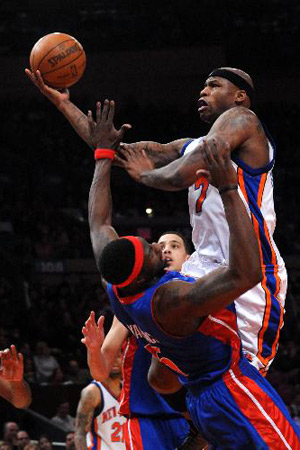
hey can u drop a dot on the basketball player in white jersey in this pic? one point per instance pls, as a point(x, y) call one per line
point(225, 103)
point(98, 424)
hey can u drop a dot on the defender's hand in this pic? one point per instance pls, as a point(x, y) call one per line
point(12, 367)
point(103, 132)
point(93, 332)
point(55, 96)
point(216, 156)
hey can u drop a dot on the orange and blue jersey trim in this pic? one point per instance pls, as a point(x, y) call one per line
point(94, 436)
point(252, 188)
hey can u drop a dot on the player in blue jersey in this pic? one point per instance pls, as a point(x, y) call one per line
point(150, 418)
point(190, 326)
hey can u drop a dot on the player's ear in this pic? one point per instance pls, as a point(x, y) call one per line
point(240, 96)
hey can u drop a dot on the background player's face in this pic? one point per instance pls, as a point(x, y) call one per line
point(174, 252)
point(217, 96)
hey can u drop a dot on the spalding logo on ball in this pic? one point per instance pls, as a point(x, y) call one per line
point(60, 58)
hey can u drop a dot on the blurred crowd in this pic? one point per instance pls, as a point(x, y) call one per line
point(44, 184)
point(15, 438)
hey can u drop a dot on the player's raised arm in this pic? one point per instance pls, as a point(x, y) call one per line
point(159, 154)
point(102, 352)
point(61, 99)
point(12, 385)
point(176, 301)
point(105, 139)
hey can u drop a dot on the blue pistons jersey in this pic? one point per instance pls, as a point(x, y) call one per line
point(198, 359)
point(229, 402)
point(137, 397)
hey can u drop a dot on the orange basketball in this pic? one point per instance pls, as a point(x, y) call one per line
point(60, 58)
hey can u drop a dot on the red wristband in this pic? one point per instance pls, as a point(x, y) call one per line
point(104, 153)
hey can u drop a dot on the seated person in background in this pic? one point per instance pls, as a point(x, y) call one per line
point(10, 430)
point(45, 443)
point(23, 439)
point(62, 417)
point(70, 441)
point(76, 374)
point(45, 363)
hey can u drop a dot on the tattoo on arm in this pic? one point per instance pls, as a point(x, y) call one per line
point(236, 121)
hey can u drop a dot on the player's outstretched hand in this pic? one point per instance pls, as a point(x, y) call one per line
point(55, 96)
point(135, 161)
point(102, 131)
point(216, 155)
point(12, 366)
point(93, 332)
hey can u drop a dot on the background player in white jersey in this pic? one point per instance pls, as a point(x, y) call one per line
point(225, 103)
point(98, 424)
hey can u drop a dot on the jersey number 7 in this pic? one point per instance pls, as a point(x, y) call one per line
point(201, 184)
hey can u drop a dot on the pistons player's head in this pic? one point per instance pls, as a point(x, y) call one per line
point(132, 261)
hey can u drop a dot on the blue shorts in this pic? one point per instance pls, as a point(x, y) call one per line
point(243, 411)
point(155, 433)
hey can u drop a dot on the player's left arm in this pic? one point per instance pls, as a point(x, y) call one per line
point(13, 387)
point(105, 136)
point(102, 352)
point(61, 100)
point(90, 398)
point(233, 129)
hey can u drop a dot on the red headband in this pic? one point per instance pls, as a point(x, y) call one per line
point(138, 260)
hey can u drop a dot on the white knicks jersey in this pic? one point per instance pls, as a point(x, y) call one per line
point(107, 429)
point(259, 311)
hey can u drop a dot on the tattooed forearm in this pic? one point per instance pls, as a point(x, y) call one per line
point(161, 155)
point(82, 427)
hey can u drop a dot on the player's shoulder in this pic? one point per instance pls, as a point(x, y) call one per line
point(91, 394)
point(238, 119)
point(240, 111)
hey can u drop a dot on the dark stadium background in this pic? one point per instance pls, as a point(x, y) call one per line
point(152, 58)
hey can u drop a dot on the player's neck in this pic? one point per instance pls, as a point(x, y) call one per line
point(114, 385)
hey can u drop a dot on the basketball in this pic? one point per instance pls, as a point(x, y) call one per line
point(60, 58)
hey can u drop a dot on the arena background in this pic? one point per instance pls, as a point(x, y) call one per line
point(152, 58)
